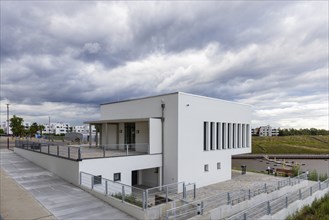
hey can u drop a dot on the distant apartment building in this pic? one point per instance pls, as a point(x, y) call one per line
point(4, 126)
point(265, 131)
point(84, 129)
point(56, 128)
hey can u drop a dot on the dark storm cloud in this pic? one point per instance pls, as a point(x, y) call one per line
point(86, 53)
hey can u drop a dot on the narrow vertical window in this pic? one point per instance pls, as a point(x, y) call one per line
point(223, 135)
point(243, 135)
point(234, 135)
point(248, 134)
point(204, 136)
point(239, 135)
point(229, 136)
point(211, 135)
point(217, 135)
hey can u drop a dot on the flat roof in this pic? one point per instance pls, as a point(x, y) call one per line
point(166, 94)
point(134, 99)
point(116, 121)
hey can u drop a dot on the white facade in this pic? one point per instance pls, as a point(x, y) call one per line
point(268, 131)
point(186, 137)
point(56, 128)
point(84, 129)
point(4, 126)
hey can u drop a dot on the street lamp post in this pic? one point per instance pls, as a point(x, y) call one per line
point(8, 126)
point(49, 130)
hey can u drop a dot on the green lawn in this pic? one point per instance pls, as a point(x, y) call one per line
point(304, 144)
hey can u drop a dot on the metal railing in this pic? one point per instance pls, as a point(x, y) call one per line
point(199, 207)
point(83, 151)
point(143, 198)
point(69, 152)
point(271, 207)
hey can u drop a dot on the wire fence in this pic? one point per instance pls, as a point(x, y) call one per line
point(229, 198)
point(271, 207)
point(143, 198)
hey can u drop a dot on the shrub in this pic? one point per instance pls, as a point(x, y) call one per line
point(129, 199)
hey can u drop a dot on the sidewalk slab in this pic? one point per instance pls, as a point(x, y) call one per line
point(60, 198)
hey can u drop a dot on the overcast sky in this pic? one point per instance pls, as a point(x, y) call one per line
point(62, 59)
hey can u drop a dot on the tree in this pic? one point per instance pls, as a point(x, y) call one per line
point(41, 128)
point(34, 128)
point(1, 131)
point(17, 127)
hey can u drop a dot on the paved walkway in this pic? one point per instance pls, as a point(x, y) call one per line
point(55, 197)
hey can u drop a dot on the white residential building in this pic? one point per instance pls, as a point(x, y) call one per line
point(268, 131)
point(185, 138)
point(84, 129)
point(4, 126)
point(56, 128)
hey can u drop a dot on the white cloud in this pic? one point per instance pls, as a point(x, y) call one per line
point(272, 56)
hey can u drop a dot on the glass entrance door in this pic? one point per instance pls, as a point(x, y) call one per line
point(130, 133)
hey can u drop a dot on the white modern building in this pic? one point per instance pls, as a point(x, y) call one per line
point(265, 131)
point(182, 137)
point(84, 129)
point(56, 128)
point(5, 127)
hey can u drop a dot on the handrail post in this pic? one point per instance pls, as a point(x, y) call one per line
point(249, 196)
point(300, 194)
point(103, 151)
point(184, 191)
point(48, 149)
point(319, 185)
point(68, 152)
point(106, 188)
point(166, 194)
point(268, 208)
point(228, 198)
point(194, 191)
point(146, 197)
point(79, 153)
point(80, 180)
point(286, 201)
point(123, 193)
point(143, 200)
point(127, 149)
point(265, 189)
point(202, 207)
point(57, 150)
point(311, 190)
point(92, 181)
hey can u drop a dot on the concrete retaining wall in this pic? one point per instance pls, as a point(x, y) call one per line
point(137, 212)
point(66, 169)
point(297, 205)
point(228, 210)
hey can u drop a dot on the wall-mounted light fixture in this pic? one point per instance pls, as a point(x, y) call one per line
point(120, 130)
point(137, 131)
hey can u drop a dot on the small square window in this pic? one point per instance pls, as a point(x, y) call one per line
point(218, 166)
point(206, 167)
point(117, 177)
